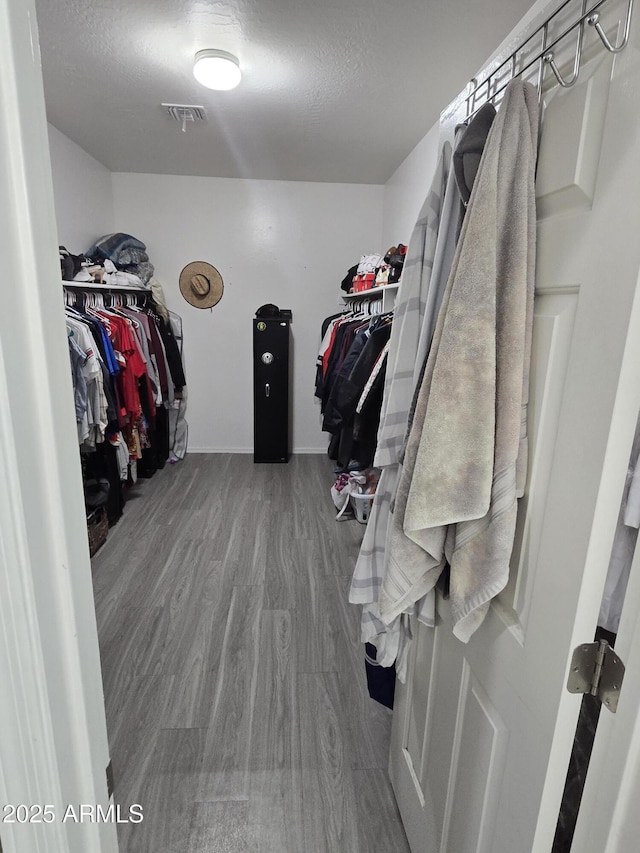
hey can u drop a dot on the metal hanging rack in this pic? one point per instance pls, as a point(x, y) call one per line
point(74, 289)
point(545, 56)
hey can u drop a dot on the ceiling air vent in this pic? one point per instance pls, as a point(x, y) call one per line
point(183, 113)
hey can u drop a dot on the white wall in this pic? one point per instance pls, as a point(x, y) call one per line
point(82, 192)
point(289, 243)
point(273, 241)
point(407, 188)
point(284, 242)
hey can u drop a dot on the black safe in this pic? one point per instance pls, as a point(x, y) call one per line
point(272, 400)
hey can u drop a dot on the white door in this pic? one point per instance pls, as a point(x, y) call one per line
point(482, 733)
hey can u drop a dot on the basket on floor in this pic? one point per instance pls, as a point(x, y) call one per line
point(97, 529)
point(361, 506)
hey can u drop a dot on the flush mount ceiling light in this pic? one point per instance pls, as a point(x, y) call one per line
point(217, 69)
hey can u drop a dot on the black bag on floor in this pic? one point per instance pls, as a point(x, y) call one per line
point(381, 680)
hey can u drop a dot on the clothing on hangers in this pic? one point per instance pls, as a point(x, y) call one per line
point(350, 347)
point(126, 368)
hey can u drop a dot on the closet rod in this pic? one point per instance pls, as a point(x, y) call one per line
point(104, 288)
point(591, 16)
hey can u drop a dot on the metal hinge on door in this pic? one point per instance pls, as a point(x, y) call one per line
point(597, 669)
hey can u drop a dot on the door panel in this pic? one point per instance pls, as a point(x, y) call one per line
point(440, 736)
point(571, 142)
point(482, 733)
point(554, 315)
point(418, 718)
point(477, 766)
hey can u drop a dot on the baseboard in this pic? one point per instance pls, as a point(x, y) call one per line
point(301, 451)
point(244, 450)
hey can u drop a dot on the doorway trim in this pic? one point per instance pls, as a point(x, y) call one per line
point(53, 739)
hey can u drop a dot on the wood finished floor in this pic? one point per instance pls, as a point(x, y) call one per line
point(235, 693)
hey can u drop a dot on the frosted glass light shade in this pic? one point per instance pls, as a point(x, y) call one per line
point(217, 69)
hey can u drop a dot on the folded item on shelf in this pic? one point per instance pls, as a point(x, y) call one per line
point(111, 245)
point(369, 264)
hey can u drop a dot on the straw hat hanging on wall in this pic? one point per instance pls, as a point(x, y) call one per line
point(201, 284)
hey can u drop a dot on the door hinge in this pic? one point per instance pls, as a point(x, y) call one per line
point(597, 669)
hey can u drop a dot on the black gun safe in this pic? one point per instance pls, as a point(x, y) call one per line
point(272, 399)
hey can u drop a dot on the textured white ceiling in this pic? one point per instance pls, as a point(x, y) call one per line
point(333, 90)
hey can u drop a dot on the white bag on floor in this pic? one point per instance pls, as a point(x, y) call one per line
point(178, 426)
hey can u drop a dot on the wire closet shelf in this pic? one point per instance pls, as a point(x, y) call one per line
point(495, 83)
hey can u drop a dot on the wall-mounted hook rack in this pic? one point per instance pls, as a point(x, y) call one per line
point(486, 90)
point(594, 21)
point(549, 58)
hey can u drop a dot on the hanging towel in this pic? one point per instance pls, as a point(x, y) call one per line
point(405, 335)
point(424, 277)
point(410, 306)
point(414, 297)
point(465, 459)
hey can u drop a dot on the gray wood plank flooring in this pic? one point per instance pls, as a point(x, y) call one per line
point(235, 692)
